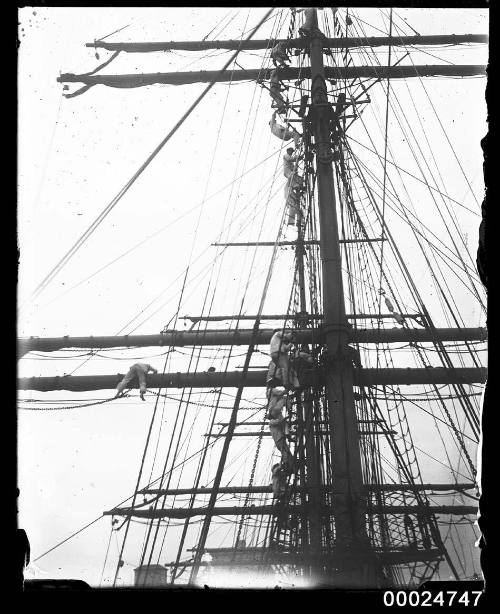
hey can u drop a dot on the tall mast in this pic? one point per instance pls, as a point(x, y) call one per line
point(347, 489)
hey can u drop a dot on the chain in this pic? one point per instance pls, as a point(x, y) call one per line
point(166, 396)
point(66, 406)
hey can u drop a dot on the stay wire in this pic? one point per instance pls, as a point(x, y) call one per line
point(460, 204)
point(199, 351)
point(115, 506)
point(206, 524)
point(385, 175)
point(458, 438)
point(106, 556)
point(201, 462)
point(163, 291)
point(396, 200)
point(446, 136)
point(194, 241)
point(139, 478)
point(435, 279)
point(157, 232)
point(182, 291)
point(122, 192)
point(91, 354)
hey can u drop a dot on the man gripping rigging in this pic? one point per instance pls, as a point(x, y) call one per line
point(279, 55)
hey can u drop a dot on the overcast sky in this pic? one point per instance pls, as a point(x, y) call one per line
point(74, 157)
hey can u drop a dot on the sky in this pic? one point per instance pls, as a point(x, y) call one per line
point(76, 154)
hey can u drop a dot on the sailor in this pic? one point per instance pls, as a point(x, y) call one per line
point(278, 480)
point(275, 90)
point(306, 29)
point(397, 316)
point(276, 402)
point(300, 362)
point(274, 376)
point(278, 426)
point(279, 55)
point(136, 372)
point(278, 349)
point(289, 162)
point(282, 132)
point(278, 371)
point(292, 204)
point(279, 475)
point(290, 169)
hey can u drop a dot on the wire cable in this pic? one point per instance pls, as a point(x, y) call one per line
point(53, 272)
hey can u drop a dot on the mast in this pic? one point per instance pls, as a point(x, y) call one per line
point(349, 507)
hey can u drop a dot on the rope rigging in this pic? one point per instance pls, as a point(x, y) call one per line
point(129, 183)
point(174, 455)
point(456, 432)
point(160, 230)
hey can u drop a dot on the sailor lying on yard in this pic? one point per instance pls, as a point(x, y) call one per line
point(136, 373)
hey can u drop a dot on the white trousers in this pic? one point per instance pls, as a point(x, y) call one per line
point(128, 380)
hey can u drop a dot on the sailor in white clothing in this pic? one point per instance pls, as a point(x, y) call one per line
point(282, 132)
point(278, 480)
point(397, 316)
point(290, 169)
point(278, 349)
point(275, 91)
point(278, 426)
point(292, 205)
point(279, 55)
point(300, 365)
point(289, 163)
point(137, 373)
